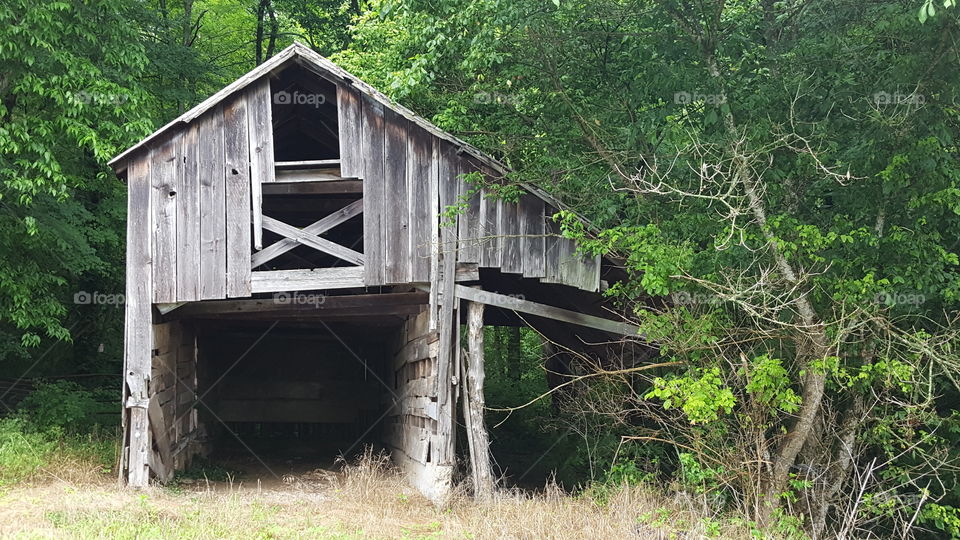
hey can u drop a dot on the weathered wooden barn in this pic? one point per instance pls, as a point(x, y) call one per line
point(292, 260)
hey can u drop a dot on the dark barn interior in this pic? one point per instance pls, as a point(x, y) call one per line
point(292, 391)
point(299, 386)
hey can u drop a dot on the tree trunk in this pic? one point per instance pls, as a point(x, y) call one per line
point(812, 343)
point(513, 353)
point(258, 37)
point(473, 406)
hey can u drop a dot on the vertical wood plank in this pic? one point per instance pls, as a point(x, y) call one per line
point(551, 248)
point(510, 237)
point(593, 278)
point(351, 140)
point(433, 214)
point(237, 178)
point(532, 246)
point(137, 318)
point(490, 252)
point(188, 219)
point(260, 142)
point(396, 218)
point(448, 323)
point(469, 228)
point(213, 207)
point(164, 171)
point(419, 159)
point(373, 192)
point(569, 263)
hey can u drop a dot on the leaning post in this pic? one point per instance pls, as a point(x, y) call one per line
point(474, 405)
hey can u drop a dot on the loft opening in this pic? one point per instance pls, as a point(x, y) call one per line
point(304, 111)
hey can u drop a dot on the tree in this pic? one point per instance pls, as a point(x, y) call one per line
point(68, 101)
point(792, 167)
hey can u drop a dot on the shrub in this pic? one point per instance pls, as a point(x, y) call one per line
point(60, 405)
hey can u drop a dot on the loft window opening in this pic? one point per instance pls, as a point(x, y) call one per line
point(304, 109)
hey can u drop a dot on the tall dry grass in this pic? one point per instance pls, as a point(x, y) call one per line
point(365, 498)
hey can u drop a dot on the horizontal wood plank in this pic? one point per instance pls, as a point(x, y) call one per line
point(543, 310)
point(346, 277)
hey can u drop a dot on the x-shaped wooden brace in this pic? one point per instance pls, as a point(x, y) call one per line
point(309, 236)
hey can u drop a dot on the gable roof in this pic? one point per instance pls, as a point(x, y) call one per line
point(313, 61)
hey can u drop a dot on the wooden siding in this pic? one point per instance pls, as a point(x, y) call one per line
point(418, 426)
point(208, 178)
point(174, 423)
point(200, 207)
point(374, 201)
point(350, 120)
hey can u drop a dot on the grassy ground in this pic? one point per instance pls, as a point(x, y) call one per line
point(368, 499)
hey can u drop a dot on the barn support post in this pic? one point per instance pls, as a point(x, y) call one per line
point(473, 405)
point(138, 325)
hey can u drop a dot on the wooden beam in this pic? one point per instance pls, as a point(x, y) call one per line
point(319, 227)
point(543, 310)
point(138, 330)
point(329, 174)
point(158, 427)
point(321, 244)
point(346, 277)
point(307, 164)
point(473, 405)
point(260, 145)
point(287, 304)
point(324, 187)
point(307, 314)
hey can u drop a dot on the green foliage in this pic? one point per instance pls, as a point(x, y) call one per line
point(69, 100)
point(945, 518)
point(25, 450)
point(695, 476)
point(22, 450)
point(202, 469)
point(700, 393)
point(769, 383)
point(60, 405)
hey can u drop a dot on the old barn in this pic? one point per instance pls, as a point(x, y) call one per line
point(292, 263)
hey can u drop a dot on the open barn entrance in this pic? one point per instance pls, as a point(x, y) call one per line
point(286, 384)
point(297, 395)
